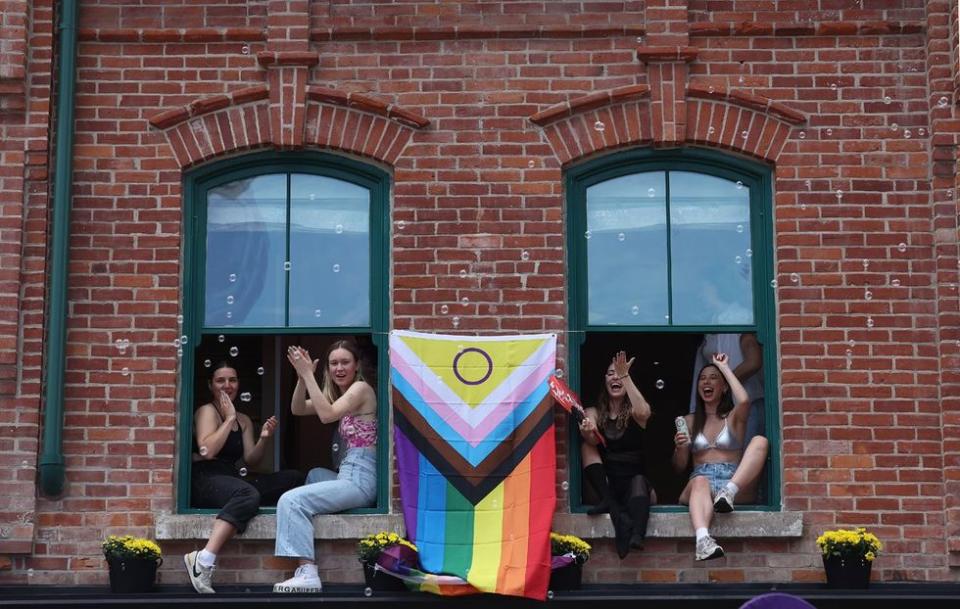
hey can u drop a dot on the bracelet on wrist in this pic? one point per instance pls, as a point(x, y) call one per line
point(623, 376)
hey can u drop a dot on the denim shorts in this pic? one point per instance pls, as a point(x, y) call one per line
point(717, 473)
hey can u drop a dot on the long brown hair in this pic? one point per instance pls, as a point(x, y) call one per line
point(603, 409)
point(700, 414)
point(330, 389)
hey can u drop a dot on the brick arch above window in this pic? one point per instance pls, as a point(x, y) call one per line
point(217, 125)
point(623, 117)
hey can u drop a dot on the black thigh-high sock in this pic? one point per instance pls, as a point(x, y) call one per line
point(597, 477)
point(639, 508)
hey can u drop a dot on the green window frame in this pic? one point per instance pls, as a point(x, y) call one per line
point(196, 184)
point(755, 176)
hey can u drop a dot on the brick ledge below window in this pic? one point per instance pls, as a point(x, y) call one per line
point(353, 526)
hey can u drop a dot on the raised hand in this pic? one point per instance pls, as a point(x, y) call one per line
point(621, 365)
point(299, 358)
point(720, 360)
point(226, 407)
point(269, 426)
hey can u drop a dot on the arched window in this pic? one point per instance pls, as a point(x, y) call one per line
point(281, 249)
point(670, 258)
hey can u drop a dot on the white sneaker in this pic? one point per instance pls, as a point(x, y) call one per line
point(200, 576)
point(707, 548)
point(305, 580)
point(723, 502)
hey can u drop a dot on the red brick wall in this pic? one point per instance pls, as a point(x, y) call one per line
point(870, 437)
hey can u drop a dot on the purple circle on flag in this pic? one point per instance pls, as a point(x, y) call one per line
point(456, 361)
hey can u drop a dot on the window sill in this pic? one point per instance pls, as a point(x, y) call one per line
point(667, 525)
point(264, 526)
point(663, 525)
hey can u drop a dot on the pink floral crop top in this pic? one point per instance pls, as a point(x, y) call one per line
point(357, 432)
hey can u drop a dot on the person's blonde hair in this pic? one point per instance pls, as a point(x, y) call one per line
point(330, 389)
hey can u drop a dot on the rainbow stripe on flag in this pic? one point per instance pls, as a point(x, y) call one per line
point(476, 456)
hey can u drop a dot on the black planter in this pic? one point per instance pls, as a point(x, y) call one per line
point(379, 581)
point(566, 578)
point(847, 573)
point(133, 575)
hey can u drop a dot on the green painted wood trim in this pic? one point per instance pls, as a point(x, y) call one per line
point(759, 179)
point(196, 184)
point(51, 468)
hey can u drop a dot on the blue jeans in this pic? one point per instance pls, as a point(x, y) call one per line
point(717, 473)
point(325, 492)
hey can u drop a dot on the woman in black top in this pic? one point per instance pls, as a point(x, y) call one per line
point(617, 470)
point(225, 449)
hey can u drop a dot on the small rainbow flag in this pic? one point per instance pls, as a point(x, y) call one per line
point(474, 438)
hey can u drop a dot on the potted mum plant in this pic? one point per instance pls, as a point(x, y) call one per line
point(848, 555)
point(569, 552)
point(133, 563)
point(385, 550)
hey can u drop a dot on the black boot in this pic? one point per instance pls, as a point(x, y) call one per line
point(622, 531)
point(639, 508)
point(597, 478)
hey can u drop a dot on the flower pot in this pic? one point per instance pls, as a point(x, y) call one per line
point(567, 577)
point(133, 575)
point(847, 572)
point(380, 581)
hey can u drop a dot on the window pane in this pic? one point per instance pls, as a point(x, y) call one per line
point(329, 252)
point(246, 226)
point(710, 250)
point(627, 250)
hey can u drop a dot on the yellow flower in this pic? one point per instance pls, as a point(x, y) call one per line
point(870, 556)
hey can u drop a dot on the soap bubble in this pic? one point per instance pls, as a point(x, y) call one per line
point(207, 363)
point(852, 343)
point(286, 265)
point(749, 253)
point(176, 342)
point(866, 264)
point(887, 99)
point(444, 309)
point(829, 131)
point(737, 259)
point(338, 229)
point(221, 338)
point(456, 321)
point(599, 126)
point(401, 224)
point(867, 295)
point(942, 102)
point(558, 373)
point(869, 322)
point(895, 283)
point(367, 591)
point(243, 472)
point(894, 127)
point(531, 163)
point(906, 133)
point(232, 277)
point(245, 396)
point(795, 277)
point(651, 192)
point(635, 310)
point(587, 234)
point(317, 312)
point(660, 384)
point(739, 228)
point(839, 194)
point(803, 135)
point(336, 268)
point(549, 595)
point(849, 353)
point(744, 134)
point(179, 320)
point(524, 255)
point(245, 49)
point(621, 237)
point(464, 301)
point(335, 447)
point(565, 485)
point(463, 273)
point(125, 371)
point(902, 247)
point(260, 371)
point(234, 351)
point(711, 130)
point(179, 352)
point(229, 314)
point(183, 339)
point(773, 283)
point(739, 185)
point(203, 450)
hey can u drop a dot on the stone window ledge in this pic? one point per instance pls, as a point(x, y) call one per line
point(353, 526)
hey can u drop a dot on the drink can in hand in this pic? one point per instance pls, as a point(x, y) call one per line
point(681, 424)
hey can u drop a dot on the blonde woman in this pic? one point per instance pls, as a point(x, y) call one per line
point(345, 397)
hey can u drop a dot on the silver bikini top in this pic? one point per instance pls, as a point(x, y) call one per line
point(725, 441)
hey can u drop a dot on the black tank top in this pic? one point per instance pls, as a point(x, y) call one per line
point(623, 455)
point(232, 449)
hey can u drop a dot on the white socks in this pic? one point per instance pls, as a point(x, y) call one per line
point(702, 532)
point(206, 559)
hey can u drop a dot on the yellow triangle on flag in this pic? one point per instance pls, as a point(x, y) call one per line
point(472, 368)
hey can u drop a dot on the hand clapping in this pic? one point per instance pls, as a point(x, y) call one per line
point(269, 426)
point(299, 358)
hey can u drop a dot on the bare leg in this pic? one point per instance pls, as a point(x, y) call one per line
point(222, 532)
point(751, 466)
point(701, 503)
point(589, 454)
